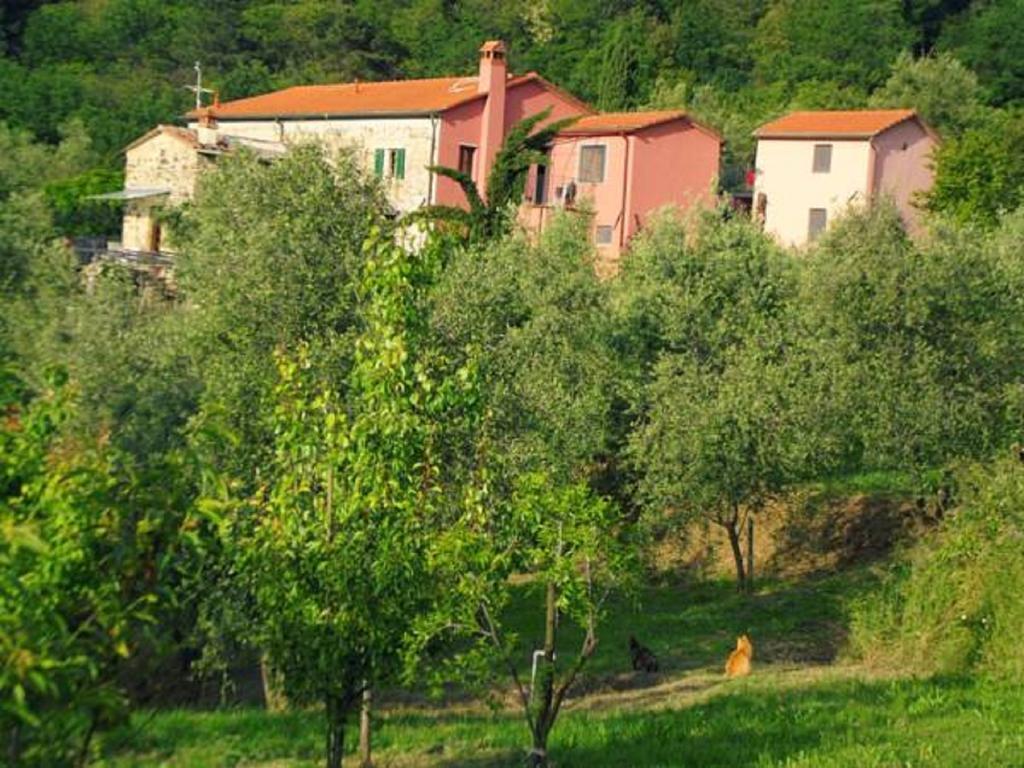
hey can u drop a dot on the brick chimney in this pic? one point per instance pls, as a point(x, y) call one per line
point(493, 74)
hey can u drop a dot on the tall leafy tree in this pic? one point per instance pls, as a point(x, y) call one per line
point(980, 174)
point(988, 38)
point(943, 91)
point(335, 554)
point(846, 41)
point(720, 427)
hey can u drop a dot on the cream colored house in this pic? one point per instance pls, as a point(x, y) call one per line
point(811, 166)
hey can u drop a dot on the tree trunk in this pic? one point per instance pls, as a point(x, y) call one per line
point(335, 731)
point(750, 553)
point(83, 754)
point(273, 693)
point(732, 528)
point(538, 757)
point(544, 693)
point(365, 758)
point(14, 745)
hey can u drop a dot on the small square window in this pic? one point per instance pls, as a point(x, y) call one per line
point(822, 158)
point(603, 235)
point(592, 163)
point(816, 223)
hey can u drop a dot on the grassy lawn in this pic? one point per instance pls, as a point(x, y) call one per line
point(779, 717)
point(795, 710)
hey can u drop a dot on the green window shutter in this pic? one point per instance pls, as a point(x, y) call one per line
point(378, 162)
point(400, 164)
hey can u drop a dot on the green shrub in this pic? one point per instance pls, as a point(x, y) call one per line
point(953, 603)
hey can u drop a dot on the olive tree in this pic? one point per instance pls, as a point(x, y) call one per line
point(543, 450)
point(706, 316)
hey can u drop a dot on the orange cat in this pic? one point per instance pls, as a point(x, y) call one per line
point(738, 663)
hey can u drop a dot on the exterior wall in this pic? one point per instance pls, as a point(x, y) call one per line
point(671, 166)
point(606, 198)
point(785, 177)
point(903, 168)
point(461, 125)
point(162, 161)
point(417, 135)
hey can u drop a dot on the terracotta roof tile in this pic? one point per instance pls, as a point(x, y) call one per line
point(628, 122)
point(390, 97)
point(395, 96)
point(862, 123)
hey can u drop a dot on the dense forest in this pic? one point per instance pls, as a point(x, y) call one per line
point(332, 451)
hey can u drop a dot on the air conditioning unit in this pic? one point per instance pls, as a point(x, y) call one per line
point(566, 194)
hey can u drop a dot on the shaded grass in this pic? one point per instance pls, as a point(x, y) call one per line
point(695, 625)
point(826, 719)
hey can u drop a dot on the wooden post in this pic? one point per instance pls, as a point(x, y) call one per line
point(365, 758)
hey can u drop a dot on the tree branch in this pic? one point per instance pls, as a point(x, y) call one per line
point(492, 632)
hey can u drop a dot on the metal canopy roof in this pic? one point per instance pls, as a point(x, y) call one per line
point(132, 193)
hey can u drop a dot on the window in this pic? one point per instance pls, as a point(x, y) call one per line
point(822, 158)
point(603, 235)
point(466, 154)
point(816, 223)
point(540, 188)
point(592, 163)
point(389, 163)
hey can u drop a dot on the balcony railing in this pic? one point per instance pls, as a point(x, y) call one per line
point(90, 249)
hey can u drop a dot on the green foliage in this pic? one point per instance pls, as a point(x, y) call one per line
point(74, 213)
point(849, 42)
point(980, 174)
point(335, 554)
point(951, 606)
point(551, 376)
point(564, 537)
point(942, 90)
point(919, 342)
point(88, 555)
point(988, 38)
point(721, 427)
point(625, 63)
point(269, 258)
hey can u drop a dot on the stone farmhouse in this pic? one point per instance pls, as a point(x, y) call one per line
point(811, 166)
point(624, 166)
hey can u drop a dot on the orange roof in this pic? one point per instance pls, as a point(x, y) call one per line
point(628, 122)
point(862, 123)
point(398, 97)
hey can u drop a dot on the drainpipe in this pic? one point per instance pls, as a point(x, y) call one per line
point(433, 160)
point(623, 214)
point(872, 159)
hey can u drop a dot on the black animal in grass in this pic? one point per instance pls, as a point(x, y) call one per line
point(643, 658)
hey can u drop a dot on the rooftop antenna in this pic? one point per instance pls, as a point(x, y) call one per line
point(198, 87)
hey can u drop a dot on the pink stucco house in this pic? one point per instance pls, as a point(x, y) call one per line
point(811, 166)
point(625, 165)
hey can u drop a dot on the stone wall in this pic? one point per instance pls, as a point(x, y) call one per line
point(418, 136)
point(163, 161)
